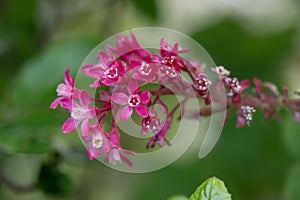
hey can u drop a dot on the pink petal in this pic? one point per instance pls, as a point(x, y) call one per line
point(296, 116)
point(257, 83)
point(106, 146)
point(144, 131)
point(84, 98)
point(104, 96)
point(115, 138)
point(126, 160)
point(132, 86)
point(125, 113)
point(119, 98)
point(141, 110)
point(135, 63)
point(96, 84)
point(244, 84)
point(236, 98)
point(285, 91)
point(56, 102)
point(67, 104)
point(145, 97)
point(68, 80)
point(85, 128)
point(69, 126)
point(240, 122)
point(93, 152)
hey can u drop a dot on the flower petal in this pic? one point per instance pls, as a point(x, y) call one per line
point(93, 152)
point(85, 128)
point(141, 110)
point(69, 126)
point(244, 84)
point(119, 98)
point(145, 97)
point(133, 86)
point(84, 98)
point(68, 79)
point(241, 122)
point(56, 102)
point(125, 113)
point(67, 104)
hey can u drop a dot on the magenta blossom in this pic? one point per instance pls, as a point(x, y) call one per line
point(79, 113)
point(144, 71)
point(105, 74)
point(151, 123)
point(245, 114)
point(160, 137)
point(65, 90)
point(128, 48)
point(135, 101)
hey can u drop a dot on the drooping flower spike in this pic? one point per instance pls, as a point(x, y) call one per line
point(129, 61)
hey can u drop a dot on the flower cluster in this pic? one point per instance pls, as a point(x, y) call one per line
point(120, 73)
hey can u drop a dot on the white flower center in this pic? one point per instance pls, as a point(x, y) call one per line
point(134, 100)
point(97, 140)
point(171, 72)
point(145, 69)
point(79, 113)
point(112, 72)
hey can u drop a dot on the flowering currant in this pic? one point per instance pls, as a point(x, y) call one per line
point(130, 65)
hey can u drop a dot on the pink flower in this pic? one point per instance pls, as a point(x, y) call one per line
point(79, 113)
point(135, 101)
point(65, 90)
point(234, 88)
point(160, 137)
point(150, 124)
point(144, 71)
point(99, 140)
point(221, 71)
point(245, 115)
point(106, 73)
point(202, 84)
point(115, 152)
point(128, 48)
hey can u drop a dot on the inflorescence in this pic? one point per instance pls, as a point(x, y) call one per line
point(130, 66)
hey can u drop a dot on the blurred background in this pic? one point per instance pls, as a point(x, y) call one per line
point(40, 38)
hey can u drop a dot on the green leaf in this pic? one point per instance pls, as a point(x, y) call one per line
point(178, 197)
point(211, 189)
point(293, 182)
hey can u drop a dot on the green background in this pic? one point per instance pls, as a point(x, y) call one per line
point(39, 39)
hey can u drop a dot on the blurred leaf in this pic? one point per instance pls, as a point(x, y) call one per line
point(291, 135)
point(25, 139)
point(178, 197)
point(211, 189)
point(36, 83)
point(293, 183)
point(29, 120)
point(52, 181)
point(147, 7)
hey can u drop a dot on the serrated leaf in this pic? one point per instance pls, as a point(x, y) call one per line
point(212, 189)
